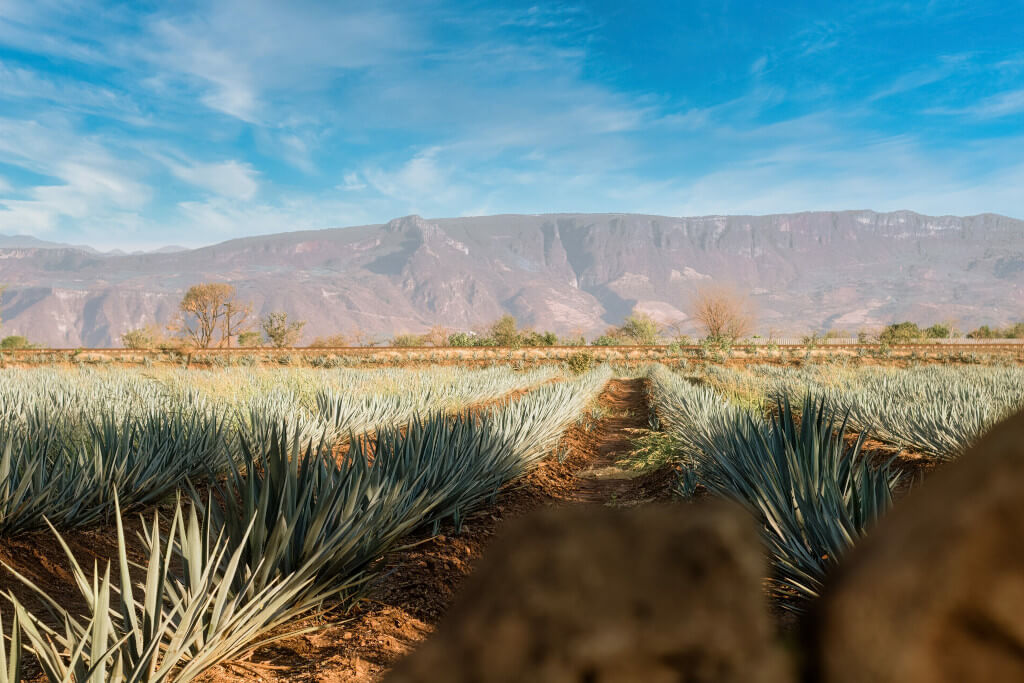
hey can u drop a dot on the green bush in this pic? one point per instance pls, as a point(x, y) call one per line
point(903, 332)
point(15, 341)
point(408, 340)
point(640, 328)
point(581, 362)
point(467, 339)
point(608, 340)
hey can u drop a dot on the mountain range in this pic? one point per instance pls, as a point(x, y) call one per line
point(564, 272)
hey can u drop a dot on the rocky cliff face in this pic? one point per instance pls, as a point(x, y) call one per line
point(562, 271)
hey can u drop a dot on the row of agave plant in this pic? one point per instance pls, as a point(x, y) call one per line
point(290, 528)
point(935, 410)
point(813, 494)
point(70, 441)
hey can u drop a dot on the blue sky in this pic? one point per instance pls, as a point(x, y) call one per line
point(140, 124)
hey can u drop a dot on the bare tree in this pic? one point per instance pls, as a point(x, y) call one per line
point(358, 336)
point(437, 335)
point(722, 312)
point(235, 321)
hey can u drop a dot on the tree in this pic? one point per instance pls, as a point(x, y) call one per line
point(676, 330)
point(640, 328)
point(504, 331)
point(235, 321)
point(280, 331)
point(938, 331)
point(1014, 331)
point(437, 335)
point(359, 337)
point(202, 311)
point(722, 312)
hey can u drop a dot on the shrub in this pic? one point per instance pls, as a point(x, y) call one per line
point(901, 333)
point(250, 340)
point(608, 340)
point(330, 342)
point(532, 338)
point(15, 341)
point(464, 339)
point(581, 362)
point(407, 340)
point(139, 338)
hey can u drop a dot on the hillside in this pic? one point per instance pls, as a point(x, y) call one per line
point(560, 271)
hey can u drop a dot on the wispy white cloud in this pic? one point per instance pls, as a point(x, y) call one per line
point(88, 184)
point(180, 120)
point(230, 179)
point(294, 47)
point(420, 183)
point(992, 107)
point(919, 78)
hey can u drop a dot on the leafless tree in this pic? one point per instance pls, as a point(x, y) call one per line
point(723, 312)
point(437, 335)
point(235, 321)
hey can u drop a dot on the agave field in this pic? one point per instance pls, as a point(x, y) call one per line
point(934, 410)
point(788, 444)
point(275, 510)
point(270, 494)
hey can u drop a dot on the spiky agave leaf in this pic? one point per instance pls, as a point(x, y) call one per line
point(326, 523)
point(314, 522)
point(814, 496)
point(71, 479)
point(939, 411)
point(10, 656)
point(180, 624)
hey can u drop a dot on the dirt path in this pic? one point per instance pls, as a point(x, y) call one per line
point(603, 482)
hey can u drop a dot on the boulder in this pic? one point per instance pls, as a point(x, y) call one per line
point(936, 591)
point(592, 594)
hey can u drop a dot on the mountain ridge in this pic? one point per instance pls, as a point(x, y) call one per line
point(567, 272)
